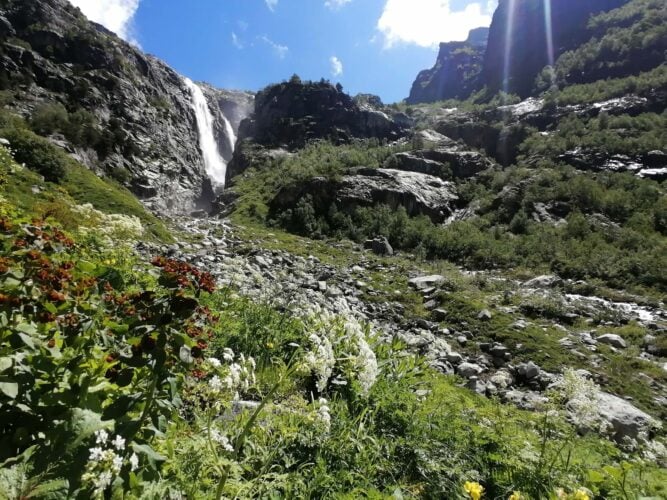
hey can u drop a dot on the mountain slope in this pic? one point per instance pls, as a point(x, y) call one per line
point(71, 75)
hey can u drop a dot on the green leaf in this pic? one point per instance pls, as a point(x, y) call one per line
point(54, 489)
point(9, 389)
point(152, 455)
point(50, 308)
point(5, 364)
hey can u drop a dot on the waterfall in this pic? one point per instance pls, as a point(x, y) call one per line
point(215, 165)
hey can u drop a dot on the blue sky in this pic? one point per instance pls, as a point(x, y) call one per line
point(374, 46)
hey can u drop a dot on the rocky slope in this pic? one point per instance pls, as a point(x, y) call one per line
point(143, 126)
point(457, 70)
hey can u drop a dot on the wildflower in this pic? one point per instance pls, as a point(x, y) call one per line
point(101, 436)
point(228, 355)
point(581, 494)
point(119, 443)
point(96, 454)
point(475, 490)
point(516, 496)
point(214, 362)
point(216, 384)
point(134, 462)
point(222, 440)
point(324, 415)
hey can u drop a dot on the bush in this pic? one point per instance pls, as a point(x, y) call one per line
point(37, 153)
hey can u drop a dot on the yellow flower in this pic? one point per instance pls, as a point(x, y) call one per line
point(581, 494)
point(475, 490)
point(560, 493)
point(516, 496)
point(269, 345)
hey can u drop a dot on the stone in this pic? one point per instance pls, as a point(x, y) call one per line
point(626, 420)
point(379, 246)
point(468, 370)
point(454, 358)
point(424, 282)
point(612, 340)
point(439, 315)
point(502, 379)
point(485, 315)
point(528, 371)
point(546, 281)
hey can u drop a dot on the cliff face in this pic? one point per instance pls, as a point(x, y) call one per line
point(456, 74)
point(518, 35)
point(146, 133)
point(527, 43)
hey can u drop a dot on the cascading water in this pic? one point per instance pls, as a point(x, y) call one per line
point(214, 163)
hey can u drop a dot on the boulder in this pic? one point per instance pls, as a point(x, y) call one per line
point(626, 420)
point(469, 370)
point(612, 340)
point(379, 246)
point(424, 282)
point(418, 194)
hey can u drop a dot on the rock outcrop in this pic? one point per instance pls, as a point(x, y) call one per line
point(290, 114)
point(418, 193)
point(50, 54)
point(457, 70)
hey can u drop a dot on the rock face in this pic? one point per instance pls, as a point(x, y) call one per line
point(626, 420)
point(50, 54)
point(442, 162)
point(292, 113)
point(457, 70)
point(519, 31)
point(419, 194)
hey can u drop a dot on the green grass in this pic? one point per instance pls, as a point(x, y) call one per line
point(31, 195)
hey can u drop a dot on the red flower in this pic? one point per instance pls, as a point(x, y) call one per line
point(56, 296)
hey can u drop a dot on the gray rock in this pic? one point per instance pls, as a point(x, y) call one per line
point(454, 358)
point(612, 340)
point(468, 370)
point(379, 246)
point(439, 315)
point(485, 315)
point(546, 281)
point(425, 282)
point(528, 371)
point(626, 419)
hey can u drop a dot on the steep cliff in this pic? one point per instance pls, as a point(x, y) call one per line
point(291, 114)
point(137, 112)
point(519, 35)
point(457, 71)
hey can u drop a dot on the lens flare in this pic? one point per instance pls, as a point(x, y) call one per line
point(511, 13)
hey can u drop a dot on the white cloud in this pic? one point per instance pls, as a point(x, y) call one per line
point(271, 4)
point(430, 22)
point(280, 50)
point(236, 41)
point(336, 4)
point(115, 15)
point(336, 66)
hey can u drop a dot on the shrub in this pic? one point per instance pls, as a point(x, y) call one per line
point(37, 153)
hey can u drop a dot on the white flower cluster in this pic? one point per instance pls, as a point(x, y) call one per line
point(222, 440)
point(364, 360)
point(321, 359)
point(105, 461)
point(112, 227)
point(340, 340)
point(234, 374)
point(324, 415)
point(581, 400)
